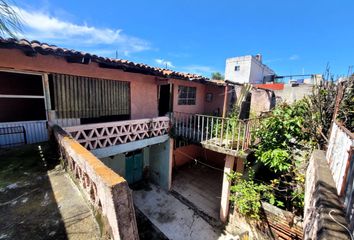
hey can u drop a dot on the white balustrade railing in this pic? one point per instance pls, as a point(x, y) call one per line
point(227, 133)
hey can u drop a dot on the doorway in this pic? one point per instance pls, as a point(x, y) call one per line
point(134, 166)
point(165, 99)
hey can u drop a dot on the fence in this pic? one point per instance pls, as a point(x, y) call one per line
point(227, 133)
point(340, 158)
point(339, 154)
point(35, 131)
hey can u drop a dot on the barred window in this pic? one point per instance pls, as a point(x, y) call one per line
point(186, 95)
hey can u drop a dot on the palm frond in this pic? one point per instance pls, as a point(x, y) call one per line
point(10, 22)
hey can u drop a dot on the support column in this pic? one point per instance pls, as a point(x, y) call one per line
point(226, 184)
point(170, 163)
point(240, 166)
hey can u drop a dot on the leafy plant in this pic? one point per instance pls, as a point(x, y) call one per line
point(247, 196)
point(284, 146)
point(322, 104)
point(280, 134)
point(217, 76)
point(10, 22)
point(346, 108)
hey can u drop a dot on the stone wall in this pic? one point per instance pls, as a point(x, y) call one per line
point(108, 192)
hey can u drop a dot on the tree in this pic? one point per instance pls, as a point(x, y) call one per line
point(10, 22)
point(217, 76)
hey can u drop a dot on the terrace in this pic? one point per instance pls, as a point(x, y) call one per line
point(224, 135)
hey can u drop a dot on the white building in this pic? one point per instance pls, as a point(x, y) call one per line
point(247, 69)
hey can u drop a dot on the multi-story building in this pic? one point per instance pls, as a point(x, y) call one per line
point(247, 69)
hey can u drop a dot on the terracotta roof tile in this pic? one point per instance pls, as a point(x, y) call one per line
point(36, 47)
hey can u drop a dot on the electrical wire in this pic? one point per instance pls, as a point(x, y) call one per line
point(330, 215)
point(200, 162)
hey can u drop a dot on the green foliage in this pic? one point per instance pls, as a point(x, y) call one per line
point(217, 76)
point(280, 134)
point(285, 142)
point(247, 196)
point(285, 139)
point(228, 127)
point(10, 23)
point(346, 108)
point(322, 103)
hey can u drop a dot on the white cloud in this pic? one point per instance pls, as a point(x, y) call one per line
point(43, 27)
point(164, 63)
point(294, 57)
point(199, 69)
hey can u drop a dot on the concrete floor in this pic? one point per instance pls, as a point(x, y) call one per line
point(39, 200)
point(174, 219)
point(201, 186)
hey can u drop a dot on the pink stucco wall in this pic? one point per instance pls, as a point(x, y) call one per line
point(201, 106)
point(216, 105)
point(200, 98)
point(143, 87)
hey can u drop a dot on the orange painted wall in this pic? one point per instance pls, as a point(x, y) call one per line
point(143, 87)
point(180, 153)
point(183, 155)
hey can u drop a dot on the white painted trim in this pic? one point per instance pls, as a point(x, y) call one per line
point(20, 96)
point(128, 147)
point(11, 70)
point(24, 122)
point(46, 94)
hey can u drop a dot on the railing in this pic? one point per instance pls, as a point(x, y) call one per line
point(226, 133)
point(101, 135)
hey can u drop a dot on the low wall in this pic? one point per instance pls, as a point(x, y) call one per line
point(107, 191)
point(321, 198)
point(275, 223)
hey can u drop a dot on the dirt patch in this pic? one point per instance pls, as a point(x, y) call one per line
point(27, 206)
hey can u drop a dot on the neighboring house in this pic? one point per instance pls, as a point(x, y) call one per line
point(248, 69)
point(295, 90)
point(121, 111)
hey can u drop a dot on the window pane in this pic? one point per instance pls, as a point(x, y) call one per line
point(22, 109)
point(186, 95)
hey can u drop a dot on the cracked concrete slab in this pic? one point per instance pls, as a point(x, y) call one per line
point(38, 200)
point(173, 218)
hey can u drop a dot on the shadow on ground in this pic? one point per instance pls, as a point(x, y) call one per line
point(28, 208)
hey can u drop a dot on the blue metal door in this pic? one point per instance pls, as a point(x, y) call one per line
point(134, 167)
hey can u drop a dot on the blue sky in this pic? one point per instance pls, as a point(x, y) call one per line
point(197, 36)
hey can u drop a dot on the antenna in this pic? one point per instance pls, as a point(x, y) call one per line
point(116, 54)
point(350, 70)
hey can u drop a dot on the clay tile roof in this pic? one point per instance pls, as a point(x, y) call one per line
point(36, 47)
